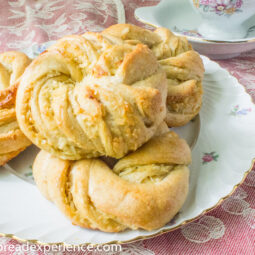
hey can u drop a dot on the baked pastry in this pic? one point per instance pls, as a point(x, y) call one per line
point(12, 140)
point(144, 190)
point(87, 97)
point(183, 66)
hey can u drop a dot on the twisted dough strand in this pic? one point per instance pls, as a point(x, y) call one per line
point(87, 96)
point(144, 190)
point(183, 66)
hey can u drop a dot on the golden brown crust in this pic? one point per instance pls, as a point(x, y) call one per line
point(8, 97)
point(88, 96)
point(183, 66)
point(12, 140)
point(4, 158)
point(144, 190)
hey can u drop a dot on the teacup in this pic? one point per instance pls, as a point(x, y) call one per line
point(223, 19)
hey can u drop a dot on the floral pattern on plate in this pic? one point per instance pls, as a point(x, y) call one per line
point(187, 32)
point(209, 157)
point(237, 111)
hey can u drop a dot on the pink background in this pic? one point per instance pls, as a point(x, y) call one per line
point(228, 229)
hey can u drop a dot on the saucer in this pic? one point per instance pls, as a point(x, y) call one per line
point(181, 19)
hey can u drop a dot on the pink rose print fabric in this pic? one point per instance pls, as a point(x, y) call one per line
point(228, 229)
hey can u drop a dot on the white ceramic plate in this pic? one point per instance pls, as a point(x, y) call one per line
point(221, 158)
point(181, 18)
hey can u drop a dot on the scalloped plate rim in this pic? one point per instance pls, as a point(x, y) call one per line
point(166, 229)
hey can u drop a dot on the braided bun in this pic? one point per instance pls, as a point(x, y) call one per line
point(87, 96)
point(183, 66)
point(144, 190)
point(12, 140)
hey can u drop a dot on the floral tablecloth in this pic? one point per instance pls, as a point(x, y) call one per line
point(228, 229)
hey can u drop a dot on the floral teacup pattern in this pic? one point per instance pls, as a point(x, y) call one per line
point(222, 19)
point(220, 7)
